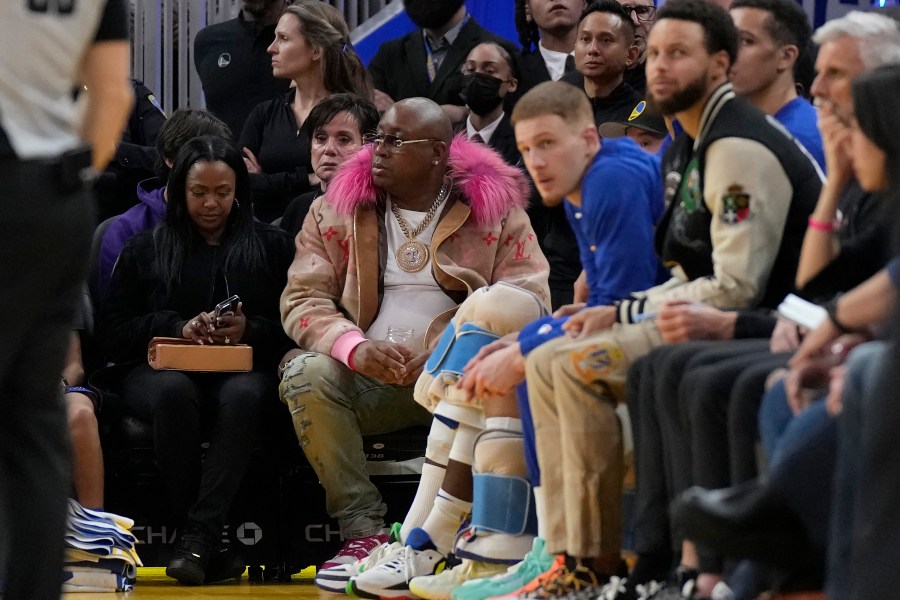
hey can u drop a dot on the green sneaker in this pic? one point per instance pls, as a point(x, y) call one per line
point(535, 562)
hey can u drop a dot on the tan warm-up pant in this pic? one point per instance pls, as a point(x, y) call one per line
point(573, 388)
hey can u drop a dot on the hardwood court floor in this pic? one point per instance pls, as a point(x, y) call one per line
point(153, 583)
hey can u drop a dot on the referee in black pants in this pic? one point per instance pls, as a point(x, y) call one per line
point(48, 48)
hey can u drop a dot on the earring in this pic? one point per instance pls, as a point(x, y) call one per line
point(236, 203)
point(435, 162)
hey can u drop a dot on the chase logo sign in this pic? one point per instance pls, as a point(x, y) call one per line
point(249, 533)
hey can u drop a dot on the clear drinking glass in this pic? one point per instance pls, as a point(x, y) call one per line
point(400, 334)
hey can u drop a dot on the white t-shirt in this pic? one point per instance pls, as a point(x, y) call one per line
point(410, 299)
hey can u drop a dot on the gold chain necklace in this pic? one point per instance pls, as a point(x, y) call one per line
point(413, 255)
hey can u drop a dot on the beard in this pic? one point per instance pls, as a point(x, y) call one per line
point(682, 99)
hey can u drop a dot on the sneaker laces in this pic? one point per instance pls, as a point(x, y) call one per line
point(570, 582)
point(401, 563)
point(646, 591)
point(359, 548)
point(612, 589)
point(379, 554)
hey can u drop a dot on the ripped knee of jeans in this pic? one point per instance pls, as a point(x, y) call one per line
point(293, 380)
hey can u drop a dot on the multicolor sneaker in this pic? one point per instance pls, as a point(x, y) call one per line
point(336, 577)
point(354, 550)
point(557, 567)
point(535, 562)
point(441, 586)
point(579, 583)
point(391, 579)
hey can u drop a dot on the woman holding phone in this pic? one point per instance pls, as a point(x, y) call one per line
point(166, 283)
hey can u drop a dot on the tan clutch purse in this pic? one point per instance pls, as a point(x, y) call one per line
point(178, 354)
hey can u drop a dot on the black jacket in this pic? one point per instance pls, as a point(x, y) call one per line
point(398, 68)
point(138, 308)
point(282, 148)
point(236, 70)
point(617, 106)
point(683, 233)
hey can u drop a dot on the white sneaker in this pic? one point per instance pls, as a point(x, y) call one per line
point(336, 578)
point(441, 586)
point(391, 579)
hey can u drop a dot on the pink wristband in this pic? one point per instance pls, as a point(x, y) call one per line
point(821, 225)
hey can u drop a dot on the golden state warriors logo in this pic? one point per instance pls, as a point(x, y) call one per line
point(638, 110)
point(593, 361)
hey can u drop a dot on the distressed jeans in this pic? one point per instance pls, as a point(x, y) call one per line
point(332, 407)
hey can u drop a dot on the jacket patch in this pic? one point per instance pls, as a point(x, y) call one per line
point(691, 196)
point(735, 205)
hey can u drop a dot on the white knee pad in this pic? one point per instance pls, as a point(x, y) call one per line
point(501, 452)
point(463, 450)
point(440, 440)
point(470, 415)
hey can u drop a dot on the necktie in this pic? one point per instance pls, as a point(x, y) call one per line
point(570, 63)
point(477, 138)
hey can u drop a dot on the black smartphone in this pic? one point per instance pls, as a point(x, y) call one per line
point(226, 308)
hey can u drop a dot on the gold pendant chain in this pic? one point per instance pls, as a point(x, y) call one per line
point(404, 226)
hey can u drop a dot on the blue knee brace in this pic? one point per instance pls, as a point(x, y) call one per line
point(455, 349)
point(503, 504)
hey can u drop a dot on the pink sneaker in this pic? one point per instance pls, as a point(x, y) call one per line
point(355, 550)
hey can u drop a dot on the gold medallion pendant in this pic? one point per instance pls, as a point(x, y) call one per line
point(412, 256)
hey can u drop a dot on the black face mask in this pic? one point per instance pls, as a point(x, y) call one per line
point(429, 14)
point(481, 92)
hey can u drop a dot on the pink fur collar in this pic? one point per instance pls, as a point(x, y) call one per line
point(489, 185)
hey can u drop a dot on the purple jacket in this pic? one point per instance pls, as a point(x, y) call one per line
point(141, 217)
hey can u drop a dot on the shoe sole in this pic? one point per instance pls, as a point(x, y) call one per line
point(336, 586)
point(383, 595)
point(184, 576)
point(429, 594)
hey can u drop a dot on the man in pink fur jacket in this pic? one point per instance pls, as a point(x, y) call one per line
point(409, 228)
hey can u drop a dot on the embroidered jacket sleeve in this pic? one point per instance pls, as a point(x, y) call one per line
point(519, 259)
point(745, 238)
point(311, 310)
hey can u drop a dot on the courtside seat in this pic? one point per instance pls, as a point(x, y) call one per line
point(278, 517)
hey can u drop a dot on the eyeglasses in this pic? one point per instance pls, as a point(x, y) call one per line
point(391, 141)
point(643, 13)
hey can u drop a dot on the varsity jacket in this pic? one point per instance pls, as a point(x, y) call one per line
point(738, 200)
point(335, 284)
